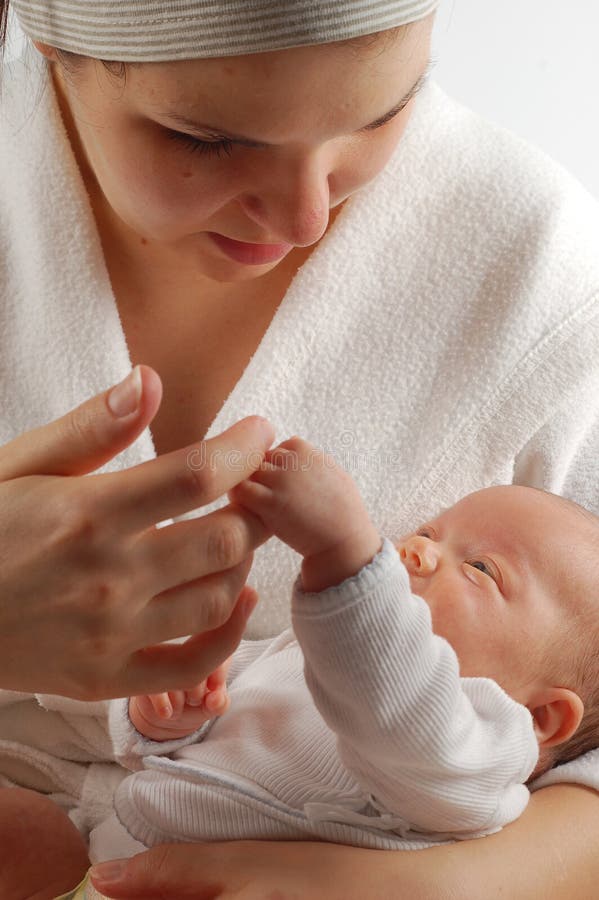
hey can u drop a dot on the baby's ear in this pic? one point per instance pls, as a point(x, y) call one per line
point(557, 713)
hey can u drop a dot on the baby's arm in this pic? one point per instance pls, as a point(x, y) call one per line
point(451, 754)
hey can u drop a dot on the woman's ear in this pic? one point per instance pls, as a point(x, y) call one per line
point(46, 50)
point(557, 713)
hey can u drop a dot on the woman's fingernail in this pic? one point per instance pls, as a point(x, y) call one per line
point(109, 871)
point(124, 399)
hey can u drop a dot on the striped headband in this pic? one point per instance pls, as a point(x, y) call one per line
point(162, 30)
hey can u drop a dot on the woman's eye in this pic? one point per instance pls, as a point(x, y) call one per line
point(204, 148)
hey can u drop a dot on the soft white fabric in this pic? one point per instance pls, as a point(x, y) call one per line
point(442, 337)
point(382, 744)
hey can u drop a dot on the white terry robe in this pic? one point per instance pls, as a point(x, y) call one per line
point(443, 337)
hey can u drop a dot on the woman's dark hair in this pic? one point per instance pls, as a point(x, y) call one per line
point(3, 23)
point(70, 61)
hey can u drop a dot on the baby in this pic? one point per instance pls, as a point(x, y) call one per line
point(423, 685)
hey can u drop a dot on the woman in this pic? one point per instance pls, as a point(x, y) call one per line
point(260, 209)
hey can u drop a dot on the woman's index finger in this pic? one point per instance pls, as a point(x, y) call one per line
point(185, 479)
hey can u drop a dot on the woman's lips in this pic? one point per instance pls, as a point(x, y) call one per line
point(250, 254)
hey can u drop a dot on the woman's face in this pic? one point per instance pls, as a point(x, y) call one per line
point(304, 108)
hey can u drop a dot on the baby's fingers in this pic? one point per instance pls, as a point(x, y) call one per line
point(217, 702)
point(218, 678)
point(251, 494)
point(161, 705)
point(195, 696)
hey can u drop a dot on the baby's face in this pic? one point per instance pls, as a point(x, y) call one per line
point(499, 572)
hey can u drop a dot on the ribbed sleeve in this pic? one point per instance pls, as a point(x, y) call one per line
point(446, 754)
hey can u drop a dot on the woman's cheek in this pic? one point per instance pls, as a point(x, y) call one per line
point(386, 141)
point(165, 198)
point(363, 161)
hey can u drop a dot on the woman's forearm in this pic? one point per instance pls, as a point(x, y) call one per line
point(550, 852)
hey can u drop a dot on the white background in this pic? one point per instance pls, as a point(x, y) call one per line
point(529, 65)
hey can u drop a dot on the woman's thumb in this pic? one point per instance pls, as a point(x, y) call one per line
point(88, 436)
point(155, 873)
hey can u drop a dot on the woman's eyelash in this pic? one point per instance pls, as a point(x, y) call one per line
point(217, 148)
point(204, 148)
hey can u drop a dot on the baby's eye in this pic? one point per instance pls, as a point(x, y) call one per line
point(425, 532)
point(483, 567)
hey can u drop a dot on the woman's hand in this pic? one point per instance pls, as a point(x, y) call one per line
point(550, 852)
point(89, 586)
point(258, 870)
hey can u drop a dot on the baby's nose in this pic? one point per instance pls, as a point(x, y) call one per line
point(419, 555)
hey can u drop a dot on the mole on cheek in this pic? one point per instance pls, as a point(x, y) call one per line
point(186, 174)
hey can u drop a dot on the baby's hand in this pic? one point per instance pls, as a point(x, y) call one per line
point(175, 714)
point(311, 503)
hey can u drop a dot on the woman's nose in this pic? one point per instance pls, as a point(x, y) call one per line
point(419, 555)
point(294, 206)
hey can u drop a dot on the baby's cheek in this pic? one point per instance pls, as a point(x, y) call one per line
point(448, 624)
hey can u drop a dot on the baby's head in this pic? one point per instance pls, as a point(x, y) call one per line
point(509, 575)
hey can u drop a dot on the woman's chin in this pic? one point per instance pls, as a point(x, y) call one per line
point(227, 271)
